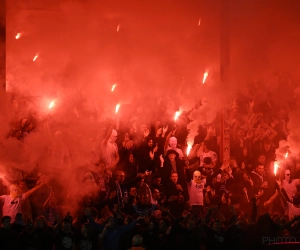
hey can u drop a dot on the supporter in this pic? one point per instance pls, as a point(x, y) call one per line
point(122, 188)
point(172, 164)
point(64, 237)
point(137, 241)
point(109, 149)
point(156, 183)
point(172, 145)
point(11, 204)
point(51, 209)
point(110, 232)
point(7, 235)
point(195, 189)
point(147, 155)
point(18, 225)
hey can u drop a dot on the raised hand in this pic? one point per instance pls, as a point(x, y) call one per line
point(162, 160)
point(151, 154)
point(165, 129)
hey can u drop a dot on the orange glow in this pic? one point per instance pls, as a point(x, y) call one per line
point(276, 166)
point(35, 57)
point(118, 27)
point(199, 22)
point(177, 113)
point(113, 87)
point(204, 77)
point(18, 35)
point(286, 155)
point(189, 147)
point(51, 105)
point(117, 107)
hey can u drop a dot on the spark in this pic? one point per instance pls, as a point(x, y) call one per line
point(117, 107)
point(118, 27)
point(35, 57)
point(199, 22)
point(204, 77)
point(18, 36)
point(113, 87)
point(286, 155)
point(51, 105)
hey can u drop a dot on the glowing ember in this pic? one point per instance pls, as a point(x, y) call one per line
point(35, 57)
point(276, 166)
point(189, 147)
point(178, 113)
point(51, 105)
point(118, 27)
point(18, 35)
point(199, 22)
point(113, 87)
point(204, 77)
point(117, 107)
point(286, 155)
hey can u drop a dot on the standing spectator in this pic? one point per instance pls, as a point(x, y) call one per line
point(64, 237)
point(109, 149)
point(195, 189)
point(11, 204)
point(172, 164)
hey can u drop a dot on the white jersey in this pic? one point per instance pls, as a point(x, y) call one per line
point(196, 192)
point(11, 206)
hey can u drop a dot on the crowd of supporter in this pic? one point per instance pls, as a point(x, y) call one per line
point(140, 190)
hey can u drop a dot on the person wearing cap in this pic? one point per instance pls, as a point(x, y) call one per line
point(172, 164)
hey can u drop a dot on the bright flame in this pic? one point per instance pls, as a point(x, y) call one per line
point(199, 22)
point(286, 155)
point(35, 57)
point(18, 35)
point(118, 27)
point(177, 113)
point(276, 166)
point(189, 147)
point(204, 77)
point(113, 87)
point(117, 107)
point(51, 105)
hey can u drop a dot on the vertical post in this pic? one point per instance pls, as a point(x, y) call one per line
point(225, 75)
point(2, 55)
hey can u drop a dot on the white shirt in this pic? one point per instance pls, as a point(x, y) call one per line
point(11, 206)
point(196, 192)
point(290, 188)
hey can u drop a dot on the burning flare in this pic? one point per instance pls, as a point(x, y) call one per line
point(113, 87)
point(18, 36)
point(199, 22)
point(117, 107)
point(276, 166)
point(35, 57)
point(286, 155)
point(118, 27)
point(189, 147)
point(51, 105)
point(177, 114)
point(204, 77)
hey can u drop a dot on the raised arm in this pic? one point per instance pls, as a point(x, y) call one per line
point(31, 191)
